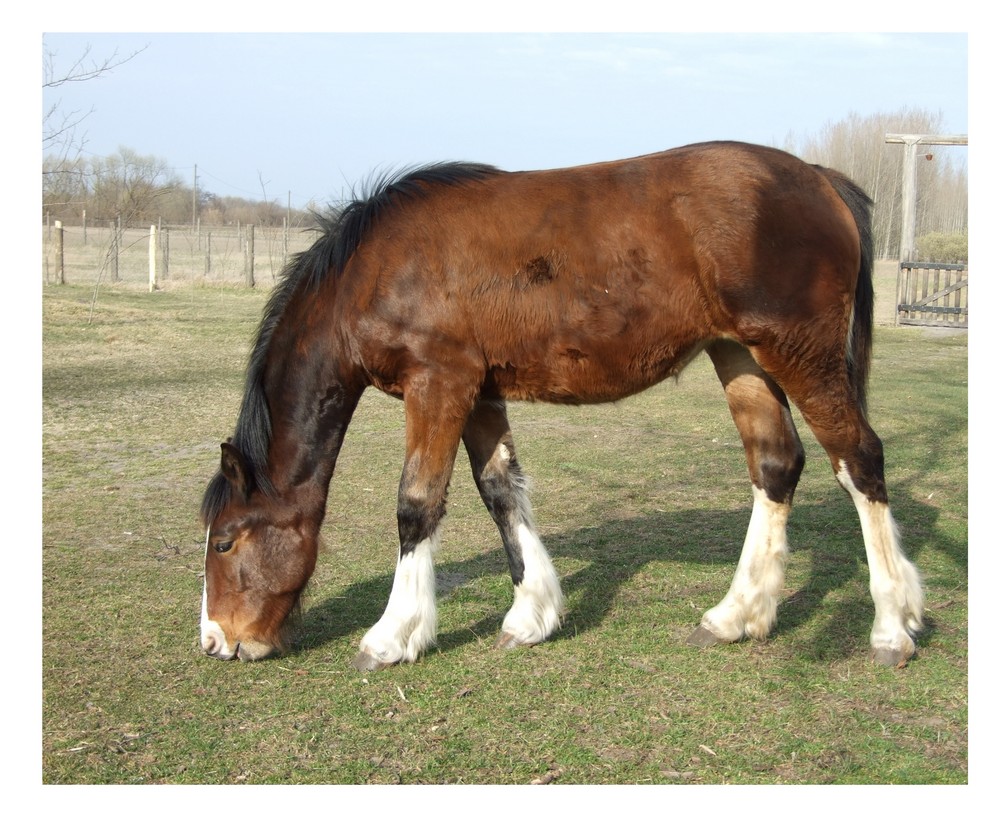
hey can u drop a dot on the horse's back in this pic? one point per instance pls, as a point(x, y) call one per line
point(590, 283)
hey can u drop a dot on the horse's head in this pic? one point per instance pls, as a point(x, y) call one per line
point(258, 558)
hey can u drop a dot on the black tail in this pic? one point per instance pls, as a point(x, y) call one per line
point(859, 350)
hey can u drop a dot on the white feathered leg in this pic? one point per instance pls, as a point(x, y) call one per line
point(893, 580)
point(408, 626)
point(751, 605)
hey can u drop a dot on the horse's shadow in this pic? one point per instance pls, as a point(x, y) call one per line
point(615, 551)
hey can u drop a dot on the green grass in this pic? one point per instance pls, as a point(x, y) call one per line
point(643, 505)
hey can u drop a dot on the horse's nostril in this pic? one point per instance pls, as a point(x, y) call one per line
point(210, 644)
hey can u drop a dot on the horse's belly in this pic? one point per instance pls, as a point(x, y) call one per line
point(578, 373)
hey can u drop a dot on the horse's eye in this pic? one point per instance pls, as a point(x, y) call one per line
point(222, 547)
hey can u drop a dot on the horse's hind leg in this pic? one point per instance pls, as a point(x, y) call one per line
point(538, 599)
point(893, 580)
point(775, 459)
point(837, 419)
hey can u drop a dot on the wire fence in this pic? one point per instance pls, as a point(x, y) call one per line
point(182, 255)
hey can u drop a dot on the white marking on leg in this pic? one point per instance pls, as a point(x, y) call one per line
point(751, 605)
point(538, 599)
point(893, 580)
point(409, 624)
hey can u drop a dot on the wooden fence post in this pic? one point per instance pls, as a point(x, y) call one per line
point(60, 266)
point(152, 259)
point(908, 228)
point(249, 258)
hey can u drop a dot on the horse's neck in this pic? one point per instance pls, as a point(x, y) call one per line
point(309, 420)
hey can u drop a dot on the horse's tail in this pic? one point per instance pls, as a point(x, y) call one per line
point(859, 341)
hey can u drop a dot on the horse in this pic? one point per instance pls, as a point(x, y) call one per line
point(457, 287)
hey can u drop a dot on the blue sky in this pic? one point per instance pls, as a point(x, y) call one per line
point(310, 115)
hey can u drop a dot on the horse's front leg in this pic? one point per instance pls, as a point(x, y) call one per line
point(408, 626)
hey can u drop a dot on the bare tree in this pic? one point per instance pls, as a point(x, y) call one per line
point(130, 186)
point(61, 138)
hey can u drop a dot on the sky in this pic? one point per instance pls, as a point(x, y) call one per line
point(305, 118)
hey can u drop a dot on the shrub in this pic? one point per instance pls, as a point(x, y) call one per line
point(941, 247)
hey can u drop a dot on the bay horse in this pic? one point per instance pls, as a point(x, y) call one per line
point(456, 287)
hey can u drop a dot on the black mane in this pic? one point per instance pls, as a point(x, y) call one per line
point(340, 233)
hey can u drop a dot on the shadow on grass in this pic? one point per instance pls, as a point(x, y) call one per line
point(615, 551)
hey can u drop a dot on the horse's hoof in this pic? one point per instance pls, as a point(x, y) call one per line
point(507, 641)
point(895, 658)
point(366, 662)
point(703, 638)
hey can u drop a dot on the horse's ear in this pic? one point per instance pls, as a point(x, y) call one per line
point(236, 470)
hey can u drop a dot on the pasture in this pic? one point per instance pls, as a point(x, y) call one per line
point(643, 505)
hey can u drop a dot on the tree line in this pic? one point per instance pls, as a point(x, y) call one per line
point(142, 189)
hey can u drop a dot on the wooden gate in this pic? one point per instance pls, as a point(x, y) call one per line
point(932, 294)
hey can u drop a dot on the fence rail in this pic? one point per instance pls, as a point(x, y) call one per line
point(237, 255)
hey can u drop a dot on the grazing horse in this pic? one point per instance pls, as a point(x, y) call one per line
point(457, 287)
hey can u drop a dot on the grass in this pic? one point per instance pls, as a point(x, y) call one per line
point(643, 505)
